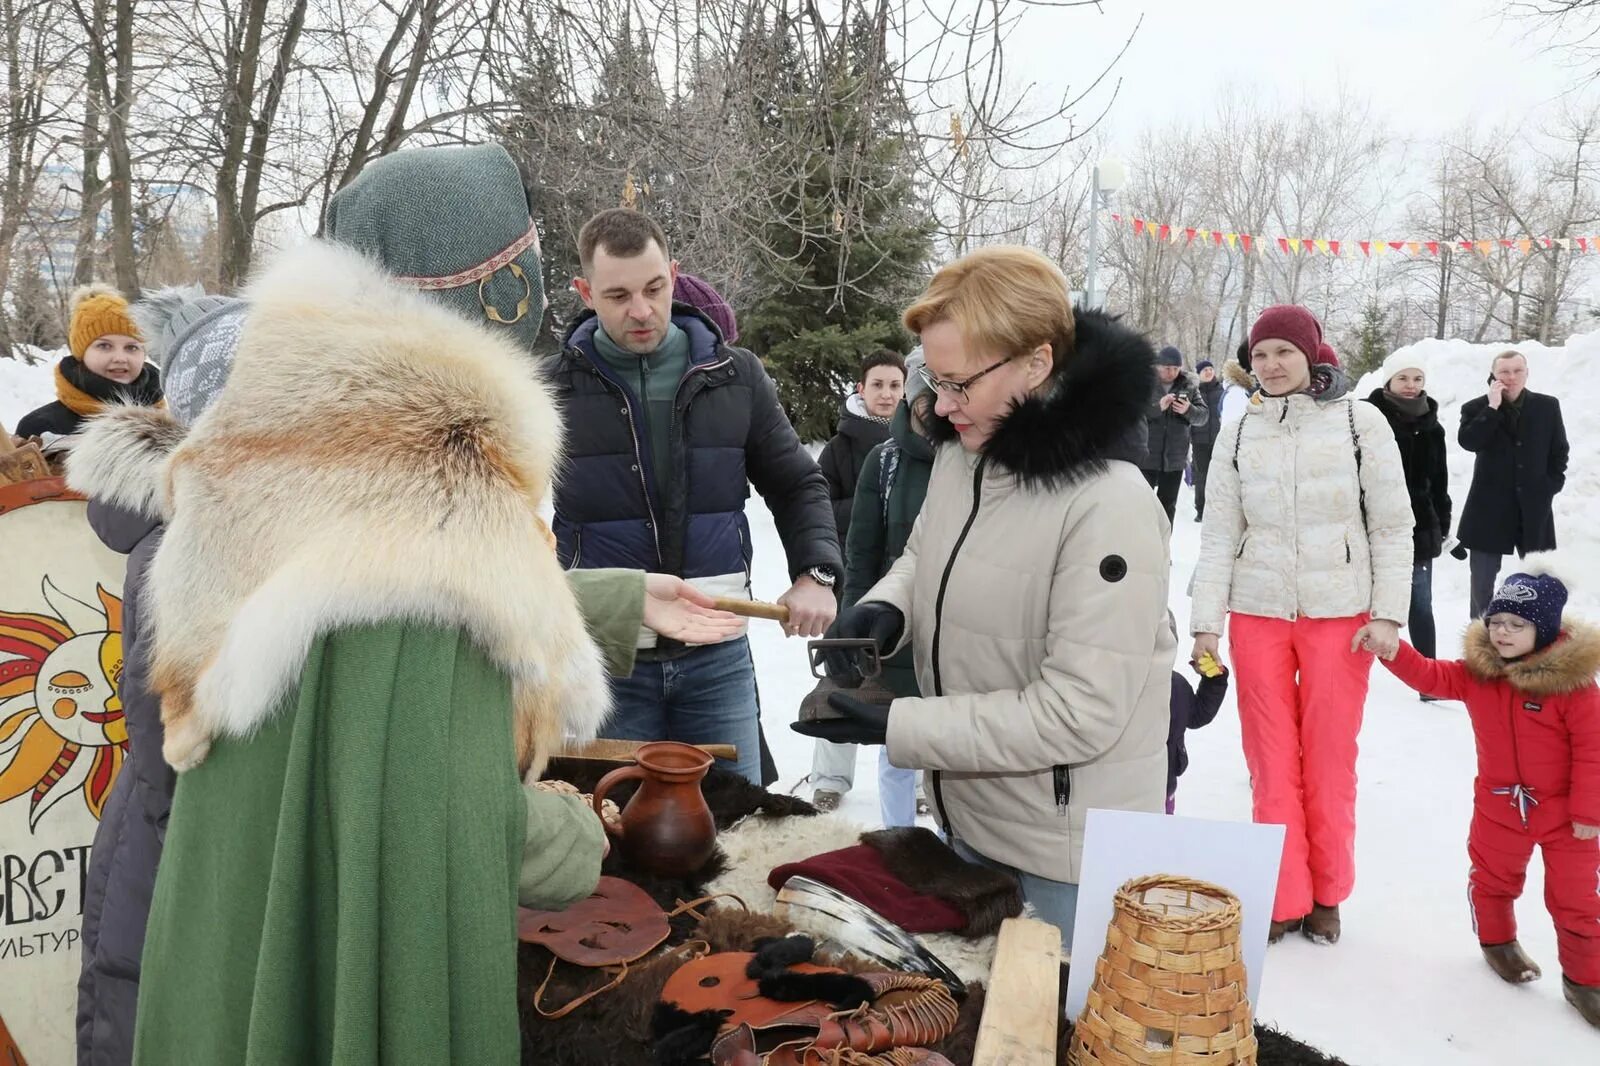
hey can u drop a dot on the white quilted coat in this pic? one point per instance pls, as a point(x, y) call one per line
point(1283, 533)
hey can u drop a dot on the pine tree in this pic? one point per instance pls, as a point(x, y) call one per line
point(844, 240)
point(1371, 341)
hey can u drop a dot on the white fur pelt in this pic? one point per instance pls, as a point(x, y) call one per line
point(758, 844)
point(372, 457)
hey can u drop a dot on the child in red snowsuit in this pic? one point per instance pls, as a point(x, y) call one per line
point(1528, 680)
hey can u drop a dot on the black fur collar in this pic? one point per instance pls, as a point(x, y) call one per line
point(1092, 410)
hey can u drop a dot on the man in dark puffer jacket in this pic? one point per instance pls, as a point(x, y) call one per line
point(667, 426)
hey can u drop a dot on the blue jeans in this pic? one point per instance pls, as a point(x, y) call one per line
point(706, 696)
point(1055, 901)
point(897, 792)
point(1420, 620)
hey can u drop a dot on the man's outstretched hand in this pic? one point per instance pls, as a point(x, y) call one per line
point(679, 611)
point(863, 723)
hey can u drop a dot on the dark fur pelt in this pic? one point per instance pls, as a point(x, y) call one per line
point(918, 857)
point(1091, 411)
point(684, 1037)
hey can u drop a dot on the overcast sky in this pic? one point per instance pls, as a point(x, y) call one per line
point(1427, 66)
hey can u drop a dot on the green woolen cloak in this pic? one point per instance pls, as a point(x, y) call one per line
point(341, 887)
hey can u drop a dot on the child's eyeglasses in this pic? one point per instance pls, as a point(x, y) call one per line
point(1508, 625)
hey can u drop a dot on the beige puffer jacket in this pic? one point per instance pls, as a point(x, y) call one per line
point(1284, 534)
point(1035, 593)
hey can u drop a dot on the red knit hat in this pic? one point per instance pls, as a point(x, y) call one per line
point(1292, 323)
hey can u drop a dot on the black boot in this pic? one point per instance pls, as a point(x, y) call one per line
point(1281, 929)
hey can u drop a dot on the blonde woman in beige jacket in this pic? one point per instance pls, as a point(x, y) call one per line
point(1033, 591)
point(1306, 552)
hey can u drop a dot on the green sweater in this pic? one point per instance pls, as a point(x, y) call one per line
point(341, 887)
point(654, 378)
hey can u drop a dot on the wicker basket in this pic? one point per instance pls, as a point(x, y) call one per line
point(1170, 987)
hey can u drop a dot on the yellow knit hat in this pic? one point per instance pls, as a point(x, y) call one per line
point(98, 310)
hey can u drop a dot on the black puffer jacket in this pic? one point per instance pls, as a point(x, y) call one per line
point(728, 433)
point(127, 846)
point(846, 453)
point(1422, 453)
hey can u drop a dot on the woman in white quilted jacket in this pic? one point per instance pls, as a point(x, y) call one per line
point(1306, 551)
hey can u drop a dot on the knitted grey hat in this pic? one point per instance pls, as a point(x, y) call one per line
point(199, 359)
point(167, 314)
point(453, 222)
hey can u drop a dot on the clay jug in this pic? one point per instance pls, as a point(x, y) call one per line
point(666, 827)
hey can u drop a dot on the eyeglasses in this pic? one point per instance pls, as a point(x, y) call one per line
point(958, 389)
point(1509, 625)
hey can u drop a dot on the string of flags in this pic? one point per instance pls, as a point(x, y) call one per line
point(1163, 231)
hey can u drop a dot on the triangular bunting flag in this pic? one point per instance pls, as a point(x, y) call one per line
point(1413, 247)
point(1506, 242)
point(1116, 218)
point(1366, 249)
point(1524, 245)
point(1294, 245)
point(1396, 245)
point(1188, 235)
point(1283, 245)
point(1246, 239)
point(1485, 247)
point(1166, 231)
point(1433, 247)
point(1333, 246)
point(1583, 243)
point(1324, 247)
point(1467, 246)
point(1216, 238)
point(1380, 247)
point(1564, 244)
point(1233, 239)
point(1138, 225)
point(1546, 241)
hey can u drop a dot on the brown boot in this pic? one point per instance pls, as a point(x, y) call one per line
point(1511, 963)
point(1322, 924)
point(1281, 929)
point(1586, 998)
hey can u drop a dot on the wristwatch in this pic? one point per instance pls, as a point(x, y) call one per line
point(822, 575)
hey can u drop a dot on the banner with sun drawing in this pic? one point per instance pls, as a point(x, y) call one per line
point(63, 740)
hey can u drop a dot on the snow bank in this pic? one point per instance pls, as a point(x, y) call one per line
point(1458, 371)
point(24, 386)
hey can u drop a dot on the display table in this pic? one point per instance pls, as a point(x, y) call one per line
point(757, 831)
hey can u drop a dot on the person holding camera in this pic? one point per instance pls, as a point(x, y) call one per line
point(1519, 447)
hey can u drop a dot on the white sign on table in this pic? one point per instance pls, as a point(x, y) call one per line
point(1121, 845)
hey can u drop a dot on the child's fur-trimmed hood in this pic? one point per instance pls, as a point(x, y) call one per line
point(372, 457)
point(1565, 666)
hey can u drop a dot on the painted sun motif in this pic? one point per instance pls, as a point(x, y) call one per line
point(62, 730)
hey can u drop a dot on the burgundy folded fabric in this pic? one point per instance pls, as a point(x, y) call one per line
point(860, 873)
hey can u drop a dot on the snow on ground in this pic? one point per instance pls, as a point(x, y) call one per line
point(1406, 985)
point(24, 385)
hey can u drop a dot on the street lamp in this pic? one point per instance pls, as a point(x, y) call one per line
point(1109, 176)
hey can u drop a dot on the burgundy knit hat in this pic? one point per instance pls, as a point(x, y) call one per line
point(1292, 323)
point(708, 301)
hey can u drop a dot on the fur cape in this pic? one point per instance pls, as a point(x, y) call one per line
point(372, 457)
point(1566, 666)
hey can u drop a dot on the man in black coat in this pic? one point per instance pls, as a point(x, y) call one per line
point(1175, 409)
point(1520, 447)
point(1204, 438)
point(668, 426)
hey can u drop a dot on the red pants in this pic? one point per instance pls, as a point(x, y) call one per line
point(1301, 694)
point(1500, 849)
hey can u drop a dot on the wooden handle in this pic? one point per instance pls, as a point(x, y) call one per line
point(753, 609)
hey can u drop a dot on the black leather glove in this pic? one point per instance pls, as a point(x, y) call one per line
point(864, 723)
point(876, 621)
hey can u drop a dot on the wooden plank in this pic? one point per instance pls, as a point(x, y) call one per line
point(753, 609)
point(1021, 1012)
point(625, 750)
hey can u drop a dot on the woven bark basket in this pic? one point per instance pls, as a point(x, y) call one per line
point(1170, 987)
